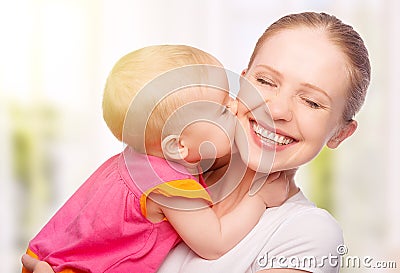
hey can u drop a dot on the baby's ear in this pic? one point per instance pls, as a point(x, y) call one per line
point(173, 148)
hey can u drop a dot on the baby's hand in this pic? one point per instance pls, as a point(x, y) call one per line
point(275, 190)
point(35, 266)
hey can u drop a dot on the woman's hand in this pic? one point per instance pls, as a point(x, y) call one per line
point(35, 266)
point(275, 189)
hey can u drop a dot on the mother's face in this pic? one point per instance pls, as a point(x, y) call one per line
point(302, 78)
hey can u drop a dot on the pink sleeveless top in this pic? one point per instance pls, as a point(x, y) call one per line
point(102, 227)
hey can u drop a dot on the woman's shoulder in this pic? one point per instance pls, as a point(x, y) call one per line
point(299, 209)
point(300, 230)
point(299, 217)
point(311, 224)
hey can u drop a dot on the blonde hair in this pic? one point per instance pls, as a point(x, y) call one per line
point(343, 36)
point(133, 71)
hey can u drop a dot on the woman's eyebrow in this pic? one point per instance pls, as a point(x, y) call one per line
point(272, 70)
point(316, 88)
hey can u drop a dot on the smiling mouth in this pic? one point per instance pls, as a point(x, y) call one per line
point(270, 137)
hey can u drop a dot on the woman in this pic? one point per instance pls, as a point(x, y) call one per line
point(312, 72)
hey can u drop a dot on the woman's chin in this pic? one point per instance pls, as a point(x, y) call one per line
point(260, 162)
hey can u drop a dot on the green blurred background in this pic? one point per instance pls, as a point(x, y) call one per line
point(55, 57)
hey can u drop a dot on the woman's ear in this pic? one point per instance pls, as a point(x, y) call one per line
point(173, 148)
point(344, 132)
point(244, 71)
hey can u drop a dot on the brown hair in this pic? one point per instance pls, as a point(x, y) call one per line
point(343, 36)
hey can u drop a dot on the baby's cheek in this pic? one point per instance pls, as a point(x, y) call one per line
point(228, 130)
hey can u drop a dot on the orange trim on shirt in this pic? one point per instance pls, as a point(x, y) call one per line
point(188, 188)
point(32, 254)
point(70, 271)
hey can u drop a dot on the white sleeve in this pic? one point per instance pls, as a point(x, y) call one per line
point(308, 240)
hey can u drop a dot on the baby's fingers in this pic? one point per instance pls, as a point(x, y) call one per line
point(35, 266)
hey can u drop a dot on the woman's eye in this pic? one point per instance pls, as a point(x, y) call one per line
point(312, 104)
point(266, 82)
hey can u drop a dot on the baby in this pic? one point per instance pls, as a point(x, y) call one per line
point(170, 105)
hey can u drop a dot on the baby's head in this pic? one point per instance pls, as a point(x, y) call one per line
point(152, 97)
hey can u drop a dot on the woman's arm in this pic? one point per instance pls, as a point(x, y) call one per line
point(211, 237)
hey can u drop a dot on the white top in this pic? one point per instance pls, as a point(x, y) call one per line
point(295, 235)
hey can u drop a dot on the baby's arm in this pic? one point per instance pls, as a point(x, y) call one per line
point(206, 234)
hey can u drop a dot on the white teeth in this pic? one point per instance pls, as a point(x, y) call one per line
point(271, 137)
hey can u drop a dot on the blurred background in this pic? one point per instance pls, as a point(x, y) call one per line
point(55, 56)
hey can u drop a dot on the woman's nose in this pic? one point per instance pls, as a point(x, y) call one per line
point(279, 106)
